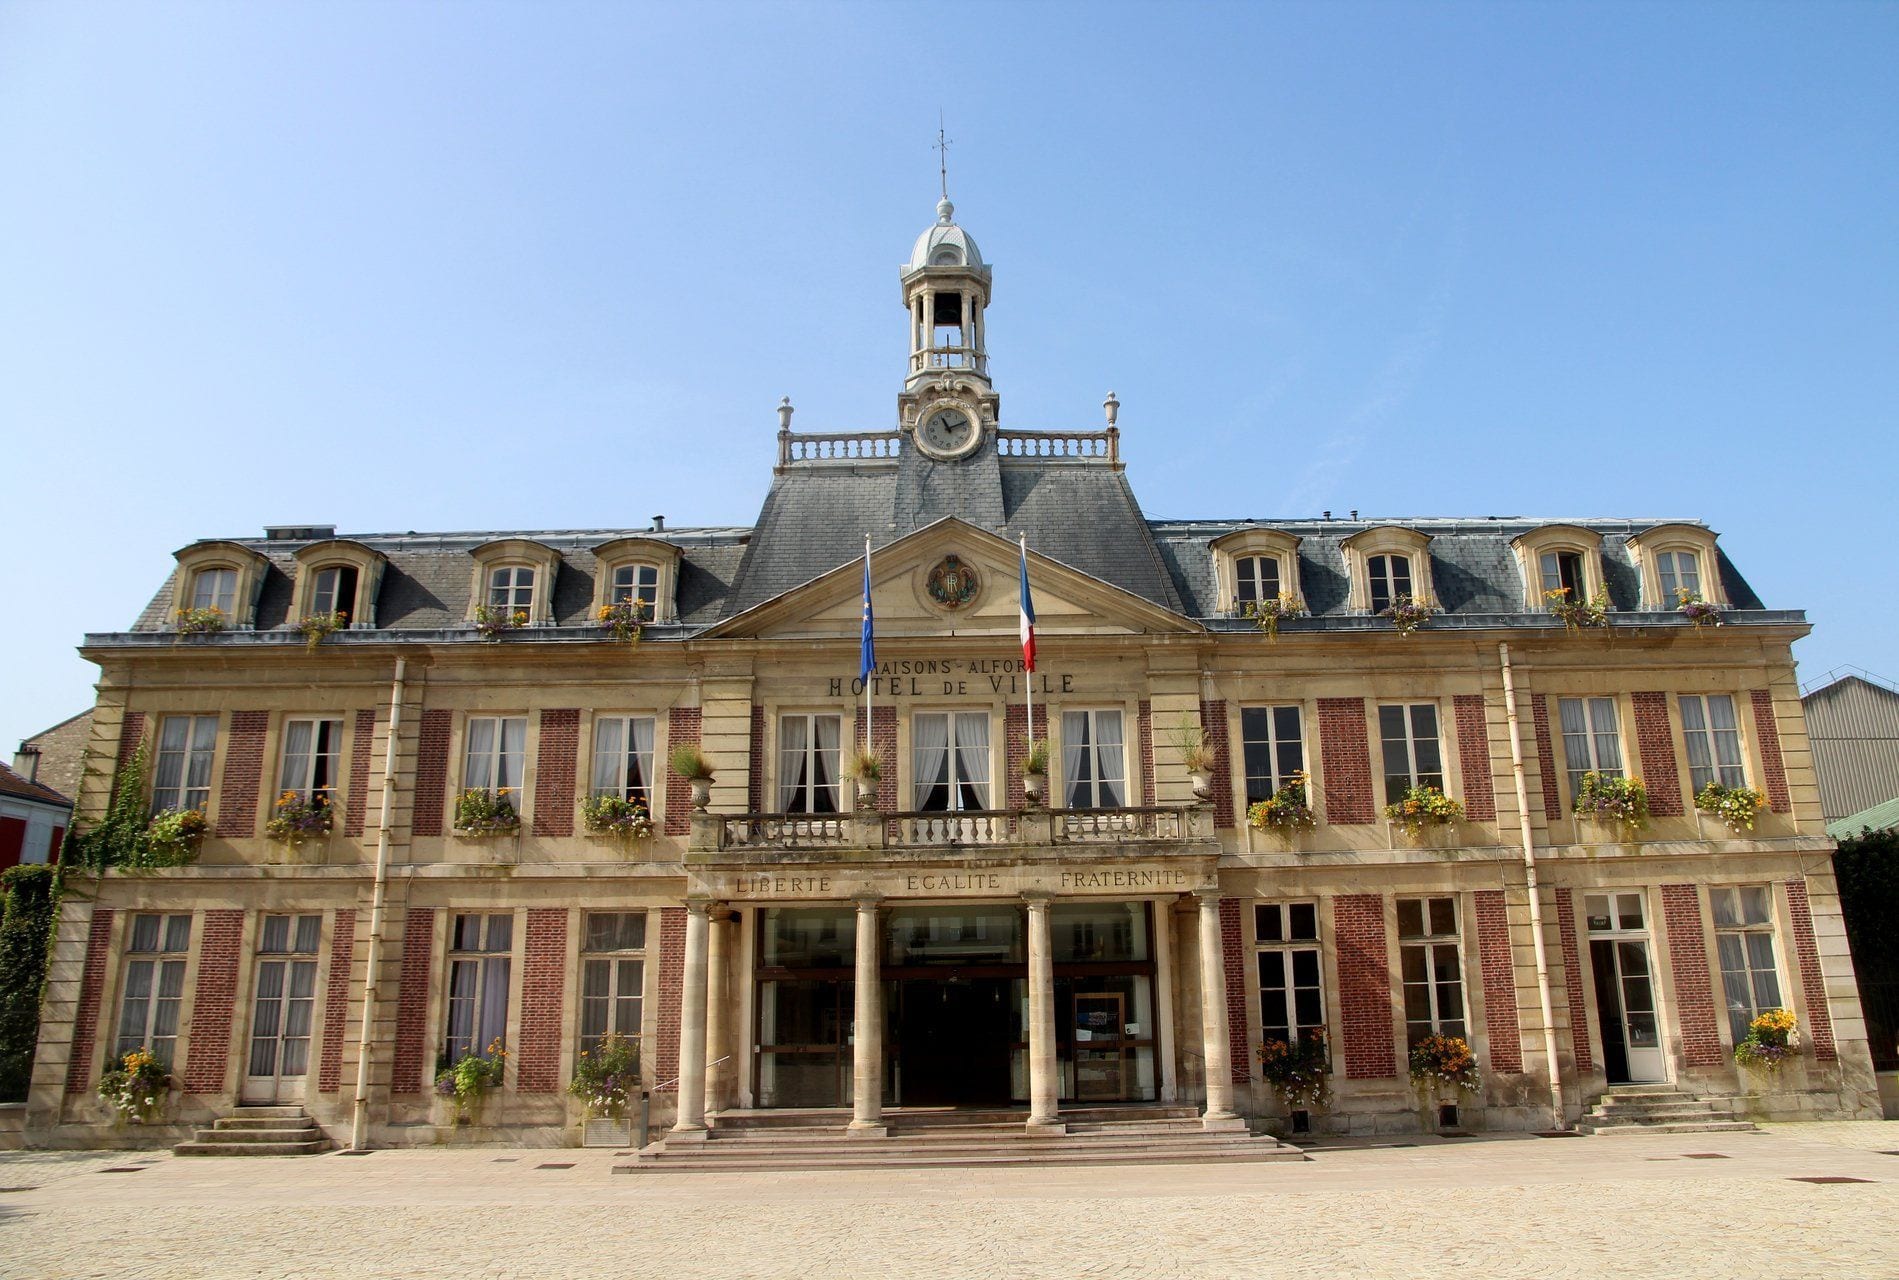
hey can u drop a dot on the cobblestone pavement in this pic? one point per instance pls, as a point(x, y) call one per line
point(1716, 1205)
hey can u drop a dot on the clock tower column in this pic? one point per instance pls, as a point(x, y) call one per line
point(948, 406)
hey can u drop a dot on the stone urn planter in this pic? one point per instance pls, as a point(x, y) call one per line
point(1035, 787)
point(701, 792)
point(1202, 783)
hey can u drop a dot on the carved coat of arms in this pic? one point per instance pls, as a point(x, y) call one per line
point(952, 584)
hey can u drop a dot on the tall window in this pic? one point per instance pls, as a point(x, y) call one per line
point(1562, 571)
point(623, 758)
point(1256, 578)
point(1591, 740)
point(215, 589)
point(511, 587)
point(1274, 749)
point(950, 752)
point(496, 755)
point(807, 764)
point(1678, 571)
point(1429, 966)
point(612, 971)
point(312, 754)
point(637, 582)
point(478, 968)
point(1094, 759)
point(154, 985)
point(1390, 578)
point(1291, 986)
point(1412, 755)
point(1713, 739)
point(335, 591)
point(1744, 939)
point(181, 778)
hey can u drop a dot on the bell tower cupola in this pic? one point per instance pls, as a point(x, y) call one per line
point(946, 289)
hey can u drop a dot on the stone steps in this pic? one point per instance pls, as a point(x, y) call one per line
point(258, 1131)
point(1655, 1108)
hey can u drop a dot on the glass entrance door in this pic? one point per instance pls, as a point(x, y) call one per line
point(282, 1007)
point(1625, 989)
point(806, 1000)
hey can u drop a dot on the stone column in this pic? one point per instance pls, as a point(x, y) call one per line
point(867, 1035)
point(718, 1008)
point(691, 1124)
point(1044, 1084)
point(1213, 1028)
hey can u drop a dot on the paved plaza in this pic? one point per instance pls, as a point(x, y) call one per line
point(1717, 1205)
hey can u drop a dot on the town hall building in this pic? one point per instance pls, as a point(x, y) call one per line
point(1230, 716)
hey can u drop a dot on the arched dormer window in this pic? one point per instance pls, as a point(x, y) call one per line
point(1251, 565)
point(1559, 557)
point(338, 575)
point(517, 575)
point(1677, 558)
point(225, 576)
point(1384, 564)
point(643, 569)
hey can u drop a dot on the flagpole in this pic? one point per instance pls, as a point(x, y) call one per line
point(872, 671)
point(1028, 673)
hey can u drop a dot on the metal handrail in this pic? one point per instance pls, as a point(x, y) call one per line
point(661, 1088)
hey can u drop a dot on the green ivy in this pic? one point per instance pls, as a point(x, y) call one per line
point(26, 933)
point(119, 839)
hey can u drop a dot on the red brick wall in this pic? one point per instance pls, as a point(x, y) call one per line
point(1239, 1037)
point(1213, 723)
point(554, 772)
point(1546, 758)
point(1812, 977)
point(336, 997)
point(1573, 983)
point(883, 740)
point(682, 726)
point(243, 775)
point(672, 991)
point(1015, 750)
point(1694, 988)
point(208, 1052)
point(1500, 981)
point(412, 1000)
point(91, 991)
point(1657, 742)
point(1767, 733)
point(431, 772)
point(1473, 755)
point(755, 764)
point(543, 999)
point(1345, 756)
point(131, 733)
point(1144, 736)
point(1365, 1010)
point(362, 746)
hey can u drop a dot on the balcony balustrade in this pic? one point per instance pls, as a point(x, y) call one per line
point(937, 830)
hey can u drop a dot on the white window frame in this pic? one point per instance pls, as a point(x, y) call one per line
point(1250, 585)
point(1433, 944)
point(1550, 569)
point(1277, 968)
point(481, 954)
point(1276, 745)
point(1412, 741)
point(641, 583)
point(215, 587)
point(1743, 926)
point(495, 769)
point(511, 587)
point(1593, 748)
point(194, 757)
point(154, 966)
point(1669, 575)
point(1099, 789)
point(952, 774)
point(820, 790)
point(1379, 576)
point(316, 773)
point(326, 590)
point(616, 977)
point(625, 773)
point(1724, 757)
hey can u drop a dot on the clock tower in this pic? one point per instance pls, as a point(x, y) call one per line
point(948, 406)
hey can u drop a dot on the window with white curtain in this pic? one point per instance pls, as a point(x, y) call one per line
point(637, 582)
point(511, 587)
point(496, 754)
point(181, 777)
point(479, 963)
point(1713, 739)
point(1744, 940)
point(612, 973)
point(154, 986)
point(950, 757)
point(1678, 571)
point(1592, 741)
point(623, 758)
point(807, 763)
point(214, 589)
point(1094, 759)
point(313, 752)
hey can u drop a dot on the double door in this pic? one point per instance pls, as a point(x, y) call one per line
point(1619, 957)
point(283, 1006)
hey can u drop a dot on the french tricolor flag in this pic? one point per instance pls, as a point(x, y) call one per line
point(1028, 613)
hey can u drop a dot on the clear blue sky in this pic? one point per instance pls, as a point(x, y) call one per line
point(480, 266)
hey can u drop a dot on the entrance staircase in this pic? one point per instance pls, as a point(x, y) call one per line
point(1659, 1108)
point(748, 1141)
point(258, 1131)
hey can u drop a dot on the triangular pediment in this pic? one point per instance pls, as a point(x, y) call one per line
point(914, 584)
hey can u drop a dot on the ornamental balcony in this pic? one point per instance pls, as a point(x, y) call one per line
point(869, 834)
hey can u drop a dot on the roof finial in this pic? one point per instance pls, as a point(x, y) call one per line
point(944, 209)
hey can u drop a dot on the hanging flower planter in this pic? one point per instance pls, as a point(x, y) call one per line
point(1268, 614)
point(199, 622)
point(1424, 810)
point(1736, 807)
point(294, 819)
point(614, 816)
point(1406, 614)
point(1287, 812)
point(493, 622)
point(316, 626)
point(1578, 613)
point(482, 813)
point(625, 617)
point(1698, 611)
point(1616, 803)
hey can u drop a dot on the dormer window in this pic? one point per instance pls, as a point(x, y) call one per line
point(1560, 558)
point(1390, 580)
point(1256, 578)
point(1563, 571)
point(225, 576)
point(1679, 572)
point(1675, 559)
point(1252, 566)
point(215, 589)
point(335, 591)
point(511, 587)
point(514, 580)
point(642, 569)
point(637, 582)
point(337, 578)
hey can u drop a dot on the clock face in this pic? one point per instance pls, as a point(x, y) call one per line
point(946, 431)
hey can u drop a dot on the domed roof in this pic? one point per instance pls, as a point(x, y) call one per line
point(945, 244)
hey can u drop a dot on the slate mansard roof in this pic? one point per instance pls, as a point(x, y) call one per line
point(1081, 512)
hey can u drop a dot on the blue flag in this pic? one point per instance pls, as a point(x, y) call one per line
point(867, 661)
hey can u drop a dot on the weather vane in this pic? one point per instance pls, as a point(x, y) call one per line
point(942, 148)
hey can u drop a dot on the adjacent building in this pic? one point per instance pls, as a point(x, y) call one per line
point(787, 936)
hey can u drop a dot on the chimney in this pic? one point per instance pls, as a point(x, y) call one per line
point(26, 762)
point(659, 524)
